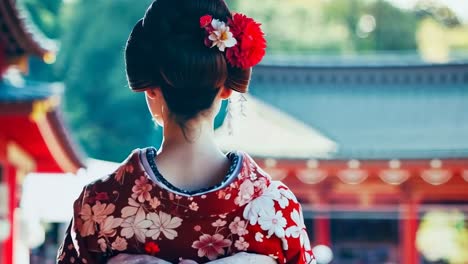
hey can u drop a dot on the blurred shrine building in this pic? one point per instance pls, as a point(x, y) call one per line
point(32, 135)
point(367, 148)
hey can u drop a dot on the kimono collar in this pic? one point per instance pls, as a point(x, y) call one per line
point(251, 182)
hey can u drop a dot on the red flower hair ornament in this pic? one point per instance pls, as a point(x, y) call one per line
point(241, 38)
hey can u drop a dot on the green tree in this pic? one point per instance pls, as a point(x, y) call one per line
point(107, 118)
point(389, 34)
point(392, 28)
point(46, 15)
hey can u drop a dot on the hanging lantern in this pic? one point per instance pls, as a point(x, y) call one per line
point(312, 176)
point(353, 175)
point(465, 175)
point(275, 173)
point(436, 175)
point(394, 175)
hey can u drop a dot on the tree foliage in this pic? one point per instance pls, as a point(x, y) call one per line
point(107, 118)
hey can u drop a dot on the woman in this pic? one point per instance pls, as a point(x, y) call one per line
point(188, 202)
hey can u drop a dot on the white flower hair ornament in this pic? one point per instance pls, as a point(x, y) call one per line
point(241, 38)
point(221, 36)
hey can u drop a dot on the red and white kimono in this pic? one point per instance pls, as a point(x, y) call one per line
point(130, 212)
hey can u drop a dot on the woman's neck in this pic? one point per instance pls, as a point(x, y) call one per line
point(196, 136)
point(196, 149)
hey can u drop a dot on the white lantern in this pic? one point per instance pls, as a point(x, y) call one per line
point(277, 174)
point(436, 176)
point(465, 175)
point(394, 176)
point(323, 254)
point(353, 176)
point(312, 176)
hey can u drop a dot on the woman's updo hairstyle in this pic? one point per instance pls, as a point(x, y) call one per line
point(166, 49)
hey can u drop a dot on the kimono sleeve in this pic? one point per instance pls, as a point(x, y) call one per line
point(74, 248)
point(277, 227)
point(296, 243)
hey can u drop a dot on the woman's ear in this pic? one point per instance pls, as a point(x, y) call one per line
point(153, 93)
point(225, 93)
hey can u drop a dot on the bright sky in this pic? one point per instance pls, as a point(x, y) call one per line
point(460, 7)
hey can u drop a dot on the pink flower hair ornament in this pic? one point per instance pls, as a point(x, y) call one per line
point(241, 38)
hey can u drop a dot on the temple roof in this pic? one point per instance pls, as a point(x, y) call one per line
point(31, 118)
point(18, 37)
point(386, 112)
point(24, 90)
point(265, 131)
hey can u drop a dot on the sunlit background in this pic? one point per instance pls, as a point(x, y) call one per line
point(361, 107)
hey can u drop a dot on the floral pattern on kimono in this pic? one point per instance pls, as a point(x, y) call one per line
point(126, 210)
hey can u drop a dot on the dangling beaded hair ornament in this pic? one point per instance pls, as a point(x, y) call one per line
point(241, 40)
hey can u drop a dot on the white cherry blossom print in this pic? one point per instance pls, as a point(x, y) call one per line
point(274, 223)
point(241, 244)
point(238, 227)
point(107, 228)
point(163, 223)
point(259, 237)
point(219, 223)
point(132, 209)
point(298, 230)
point(193, 206)
point(122, 171)
point(102, 244)
point(221, 194)
point(141, 189)
point(94, 215)
point(285, 195)
point(274, 192)
point(253, 176)
point(211, 246)
point(246, 192)
point(223, 216)
point(133, 226)
point(154, 202)
point(120, 244)
point(259, 204)
point(261, 184)
point(284, 243)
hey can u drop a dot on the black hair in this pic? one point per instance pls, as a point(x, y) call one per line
point(166, 49)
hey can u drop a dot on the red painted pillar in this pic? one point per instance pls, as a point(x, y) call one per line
point(8, 245)
point(408, 228)
point(322, 230)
